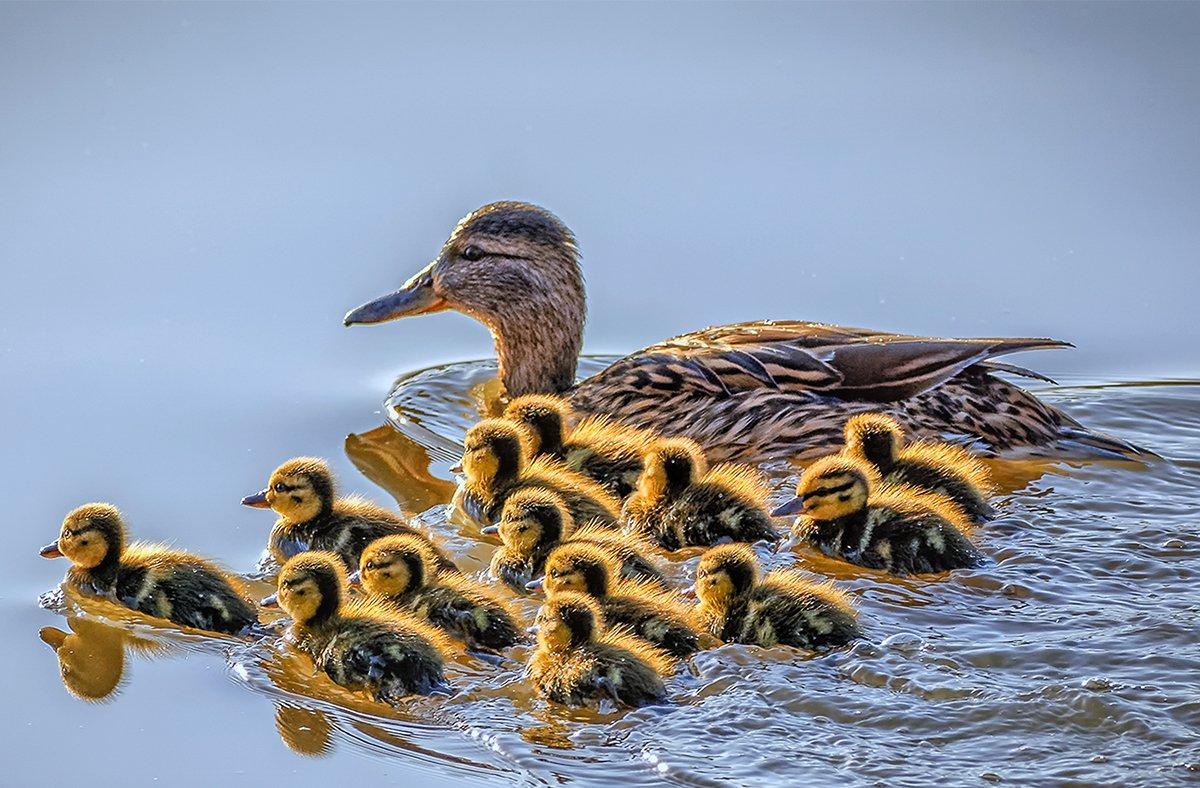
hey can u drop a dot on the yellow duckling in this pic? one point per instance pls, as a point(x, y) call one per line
point(650, 613)
point(681, 503)
point(940, 468)
point(602, 450)
point(303, 493)
point(496, 464)
point(151, 579)
point(403, 570)
point(360, 643)
point(535, 521)
point(895, 528)
point(579, 662)
point(783, 608)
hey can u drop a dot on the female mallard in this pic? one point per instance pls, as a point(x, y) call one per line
point(845, 513)
point(749, 391)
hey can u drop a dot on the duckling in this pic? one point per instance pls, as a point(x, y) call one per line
point(942, 468)
point(535, 520)
point(899, 529)
point(496, 464)
point(783, 608)
point(579, 662)
point(360, 643)
point(151, 579)
point(680, 503)
point(598, 448)
point(646, 610)
point(403, 570)
point(312, 517)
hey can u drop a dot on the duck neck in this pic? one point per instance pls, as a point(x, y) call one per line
point(849, 527)
point(538, 350)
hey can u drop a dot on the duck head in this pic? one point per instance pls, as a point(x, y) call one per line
point(545, 417)
point(876, 438)
point(577, 567)
point(568, 621)
point(532, 518)
point(91, 536)
point(311, 588)
point(299, 490)
point(672, 465)
point(394, 565)
point(725, 572)
point(515, 268)
point(831, 488)
point(494, 454)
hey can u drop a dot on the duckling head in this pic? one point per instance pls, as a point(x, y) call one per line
point(311, 587)
point(515, 268)
point(672, 465)
point(568, 621)
point(394, 565)
point(533, 518)
point(494, 453)
point(545, 418)
point(90, 536)
point(874, 437)
point(579, 567)
point(830, 488)
point(299, 490)
point(725, 572)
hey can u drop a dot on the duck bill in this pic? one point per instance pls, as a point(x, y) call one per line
point(535, 585)
point(257, 501)
point(50, 551)
point(417, 297)
point(688, 593)
point(793, 506)
point(354, 580)
point(490, 530)
point(271, 601)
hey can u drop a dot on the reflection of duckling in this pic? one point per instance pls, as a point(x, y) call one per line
point(496, 465)
point(360, 643)
point(646, 610)
point(600, 449)
point(402, 570)
point(681, 503)
point(535, 521)
point(304, 731)
point(151, 579)
point(895, 528)
point(783, 608)
point(91, 658)
point(577, 662)
point(312, 517)
point(936, 467)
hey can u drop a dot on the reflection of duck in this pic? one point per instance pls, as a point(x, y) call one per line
point(399, 465)
point(535, 521)
point(681, 503)
point(846, 514)
point(496, 465)
point(403, 570)
point(91, 657)
point(305, 731)
point(750, 391)
point(602, 450)
point(940, 468)
point(151, 579)
point(783, 608)
point(359, 643)
point(312, 517)
point(578, 662)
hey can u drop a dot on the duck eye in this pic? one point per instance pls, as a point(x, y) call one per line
point(279, 487)
point(472, 253)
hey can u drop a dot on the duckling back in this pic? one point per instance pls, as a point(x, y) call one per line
point(788, 609)
point(616, 667)
point(610, 454)
point(586, 500)
point(182, 588)
point(656, 617)
point(630, 551)
point(468, 612)
point(727, 504)
point(946, 470)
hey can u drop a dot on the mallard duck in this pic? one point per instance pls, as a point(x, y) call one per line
point(403, 570)
point(847, 514)
point(650, 613)
point(756, 391)
point(302, 491)
point(580, 662)
point(151, 579)
point(496, 464)
point(783, 608)
point(535, 521)
point(681, 503)
point(941, 468)
point(600, 449)
point(360, 643)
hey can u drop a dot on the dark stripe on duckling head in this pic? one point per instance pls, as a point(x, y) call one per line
point(545, 507)
point(315, 471)
point(682, 462)
point(584, 559)
point(327, 572)
point(103, 520)
point(738, 561)
point(544, 416)
point(410, 551)
point(503, 440)
point(581, 616)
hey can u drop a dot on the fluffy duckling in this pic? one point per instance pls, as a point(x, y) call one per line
point(898, 529)
point(942, 468)
point(535, 521)
point(579, 662)
point(403, 570)
point(151, 579)
point(646, 610)
point(600, 449)
point(312, 517)
point(362, 644)
point(496, 464)
point(783, 608)
point(681, 503)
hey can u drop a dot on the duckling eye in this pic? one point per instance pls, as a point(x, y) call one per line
point(280, 487)
point(472, 253)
